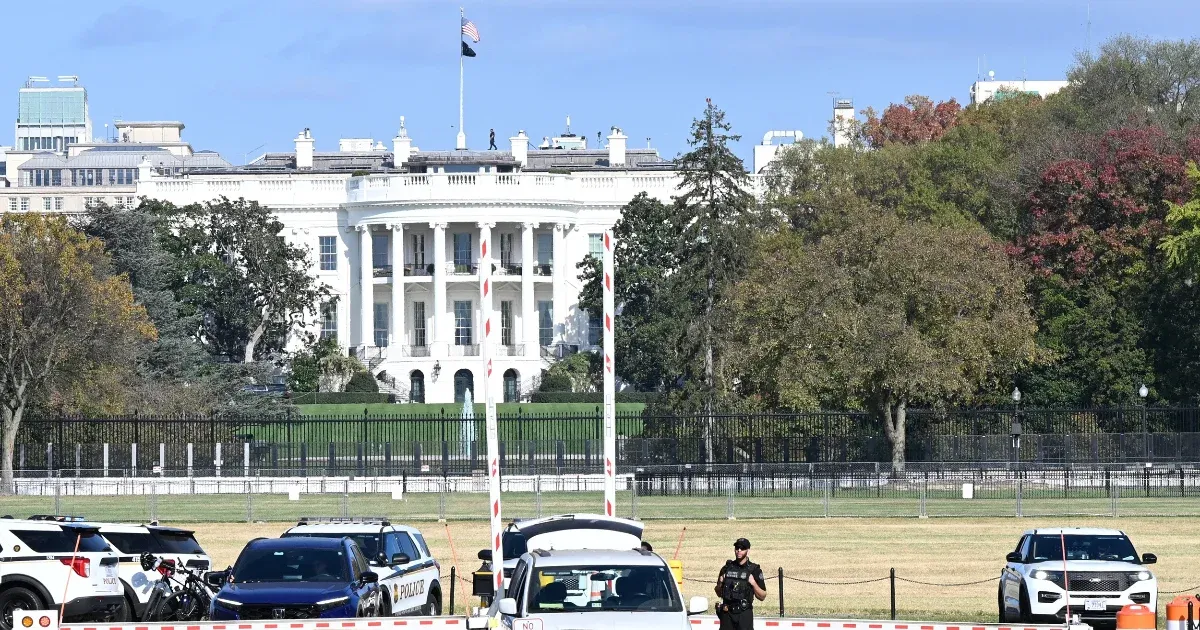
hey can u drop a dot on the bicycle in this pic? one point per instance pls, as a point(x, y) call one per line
point(172, 599)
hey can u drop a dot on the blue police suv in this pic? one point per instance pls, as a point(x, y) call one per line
point(297, 578)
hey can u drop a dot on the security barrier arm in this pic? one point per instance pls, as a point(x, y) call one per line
point(610, 402)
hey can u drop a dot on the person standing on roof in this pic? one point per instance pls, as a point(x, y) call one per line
point(491, 139)
point(738, 584)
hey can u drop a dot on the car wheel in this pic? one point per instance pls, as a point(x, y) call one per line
point(12, 599)
point(1002, 615)
point(125, 613)
point(1026, 614)
point(433, 606)
point(385, 606)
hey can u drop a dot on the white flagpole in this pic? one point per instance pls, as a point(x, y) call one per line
point(493, 442)
point(610, 403)
point(461, 140)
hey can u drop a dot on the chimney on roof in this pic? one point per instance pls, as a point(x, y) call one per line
point(402, 147)
point(520, 147)
point(304, 149)
point(616, 147)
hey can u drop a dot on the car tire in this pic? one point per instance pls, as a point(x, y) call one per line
point(1002, 615)
point(433, 605)
point(385, 606)
point(1026, 614)
point(126, 613)
point(13, 598)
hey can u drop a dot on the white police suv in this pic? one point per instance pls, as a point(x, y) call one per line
point(409, 577)
point(46, 564)
point(1102, 570)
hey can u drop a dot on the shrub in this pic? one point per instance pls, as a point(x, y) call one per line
point(362, 382)
point(555, 382)
point(340, 398)
point(590, 397)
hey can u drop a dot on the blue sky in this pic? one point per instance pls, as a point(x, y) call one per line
point(241, 74)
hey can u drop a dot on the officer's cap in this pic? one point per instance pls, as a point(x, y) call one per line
point(741, 543)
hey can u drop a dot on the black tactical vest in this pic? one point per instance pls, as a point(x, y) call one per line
point(736, 584)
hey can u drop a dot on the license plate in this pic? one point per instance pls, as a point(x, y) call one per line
point(1095, 604)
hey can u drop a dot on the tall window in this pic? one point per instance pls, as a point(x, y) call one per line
point(416, 386)
point(595, 330)
point(381, 324)
point(329, 321)
point(506, 249)
point(596, 245)
point(462, 322)
point(545, 249)
point(419, 324)
point(379, 251)
point(462, 252)
point(506, 323)
point(418, 250)
point(328, 245)
point(512, 391)
point(545, 310)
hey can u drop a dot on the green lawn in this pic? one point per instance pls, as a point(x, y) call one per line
point(379, 410)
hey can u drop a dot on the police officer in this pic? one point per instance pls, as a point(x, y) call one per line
point(738, 583)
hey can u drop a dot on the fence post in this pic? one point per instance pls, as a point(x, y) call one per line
point(924, 488)
point(162, 459)
point(153, 501)
point(245, 459)
point(892, 581)
point(442, 500)
point(537, 490)
point(189, 460)
point(729, 502)
point(825, 495)
point(633, 499)
point(780, 578)
point(133, 459)
point(1116, 499)
point(106, 459)
point(1020, 492)
point(217, 458)
point(78, 459)
point(57, 493)
point(50, 459)
point(454, 583)
point(249, 503)
point(346, 499)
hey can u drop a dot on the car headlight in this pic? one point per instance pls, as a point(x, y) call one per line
point(1041, 575)
point(1141, 576)
point(328, 604)
point(1050, 576)
point(228, 603)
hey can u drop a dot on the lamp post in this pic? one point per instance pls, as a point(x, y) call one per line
point(1016, 427)
point(1143, 391)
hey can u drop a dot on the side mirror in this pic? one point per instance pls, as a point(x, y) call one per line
point(1149, 558)
point(1014, 556)
point(508, 606)
point(369, 577)
point(697, 605)
point(485, 555)
point(400, 558)
point(216, 579)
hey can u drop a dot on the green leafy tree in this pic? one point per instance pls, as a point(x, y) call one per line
point(64, 316)
point(362, 382)
point(647, 334)
point(879, 316)
point(1140, 80)
point(236, 268)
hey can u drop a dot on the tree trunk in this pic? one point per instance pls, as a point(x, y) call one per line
point(894, 416)
point(12, 419)
point(255, 336)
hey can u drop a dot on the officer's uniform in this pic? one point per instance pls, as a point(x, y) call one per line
point(736, 610)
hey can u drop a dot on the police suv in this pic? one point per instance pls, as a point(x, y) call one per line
point(1104, 570)
point(167, 543)
point(409, 576)
point(46, 564)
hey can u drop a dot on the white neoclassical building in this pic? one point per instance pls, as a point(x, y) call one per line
point(395, 235)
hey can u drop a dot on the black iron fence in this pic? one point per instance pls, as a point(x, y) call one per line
point(573, 442)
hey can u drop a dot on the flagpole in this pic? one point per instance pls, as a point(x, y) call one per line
point(461, 141)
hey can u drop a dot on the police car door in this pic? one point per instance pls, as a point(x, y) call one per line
point(410, 580)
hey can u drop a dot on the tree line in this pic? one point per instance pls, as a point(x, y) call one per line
point(945, 257)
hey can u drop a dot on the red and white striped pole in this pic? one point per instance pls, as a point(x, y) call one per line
point(493, 446)
point(610, 402)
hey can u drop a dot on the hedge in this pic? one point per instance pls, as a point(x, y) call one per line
point(362, 383)
point(341, 398)
point(591, 397)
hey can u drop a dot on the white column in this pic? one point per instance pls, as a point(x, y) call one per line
point(529, 321)
point(367, 289)
point(396, 334)
point(559, 274)
point(440, 347)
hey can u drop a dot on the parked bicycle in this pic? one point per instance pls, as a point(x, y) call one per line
point(179, 595)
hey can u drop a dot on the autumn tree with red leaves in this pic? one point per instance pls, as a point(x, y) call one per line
point(917, 120)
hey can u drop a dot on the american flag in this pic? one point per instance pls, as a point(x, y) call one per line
point(468, 29)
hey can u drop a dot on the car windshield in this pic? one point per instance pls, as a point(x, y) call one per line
point(1083, 547)
point(291, 565)
point(603, 588)
point(368, 543)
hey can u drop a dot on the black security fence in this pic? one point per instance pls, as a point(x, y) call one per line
point(556, 443)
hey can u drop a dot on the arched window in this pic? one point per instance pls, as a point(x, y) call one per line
point(463, 381)
point(512, 386)
point(416, 386)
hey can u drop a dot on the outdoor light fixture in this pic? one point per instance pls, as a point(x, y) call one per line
point(1143, 391)
point(1016, 395)
point(437, 369)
